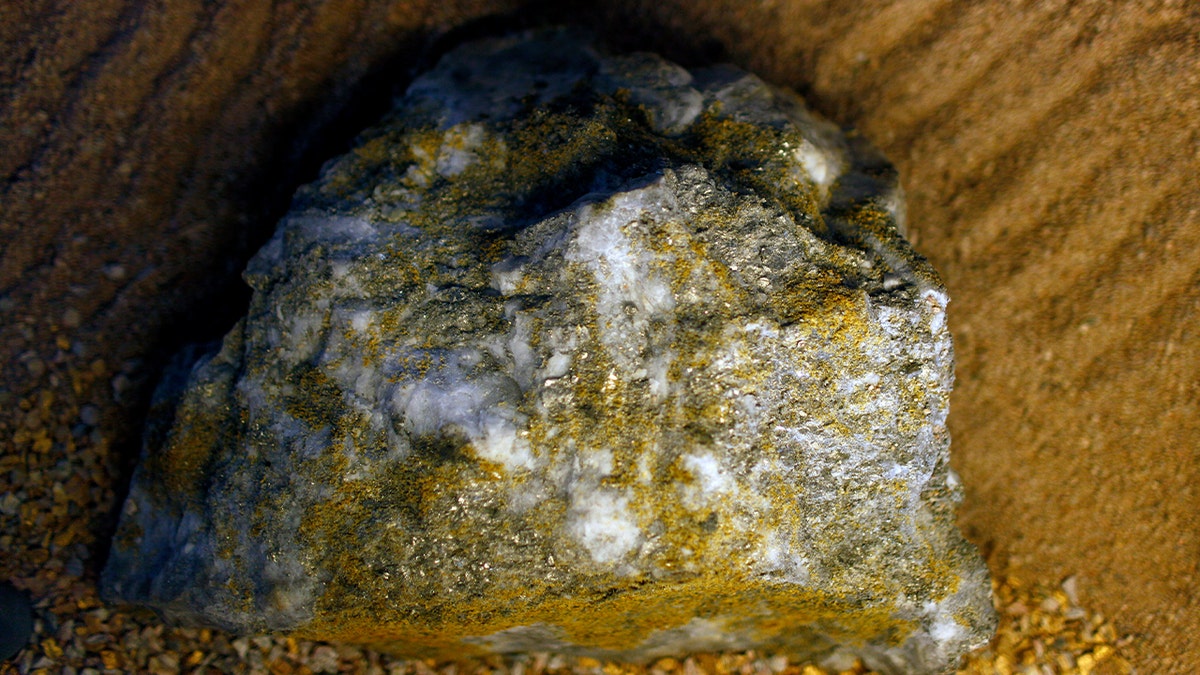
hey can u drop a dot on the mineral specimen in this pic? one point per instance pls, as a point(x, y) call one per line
point(580, 353)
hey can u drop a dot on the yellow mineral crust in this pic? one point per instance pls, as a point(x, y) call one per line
point(624, 617)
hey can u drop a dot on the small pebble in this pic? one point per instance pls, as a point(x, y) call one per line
point(74, 567)
point(35, 366)
point(89, 415)
point(16, 620)
point(114, 271)
point(120, 384)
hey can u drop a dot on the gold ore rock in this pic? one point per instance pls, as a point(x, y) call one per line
point(578, 353)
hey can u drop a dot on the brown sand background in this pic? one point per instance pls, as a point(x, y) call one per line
point(1050, 151)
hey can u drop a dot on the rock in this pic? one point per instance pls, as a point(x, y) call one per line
point(574, 353)
point(16, 620)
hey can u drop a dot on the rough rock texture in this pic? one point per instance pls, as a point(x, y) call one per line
point(588, 354)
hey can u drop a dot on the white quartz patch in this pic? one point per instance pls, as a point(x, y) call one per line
point(632, 291)
point(601, 521)
point(943, 627)
point(329, 228)
point(461, 148)
point(482, 409)
point(623, 272)
point(817, 166)
point(709, 474)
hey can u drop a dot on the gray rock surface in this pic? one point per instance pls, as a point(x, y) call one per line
point(581, 353)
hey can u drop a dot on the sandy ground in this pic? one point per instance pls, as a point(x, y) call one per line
point(1049, 151)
